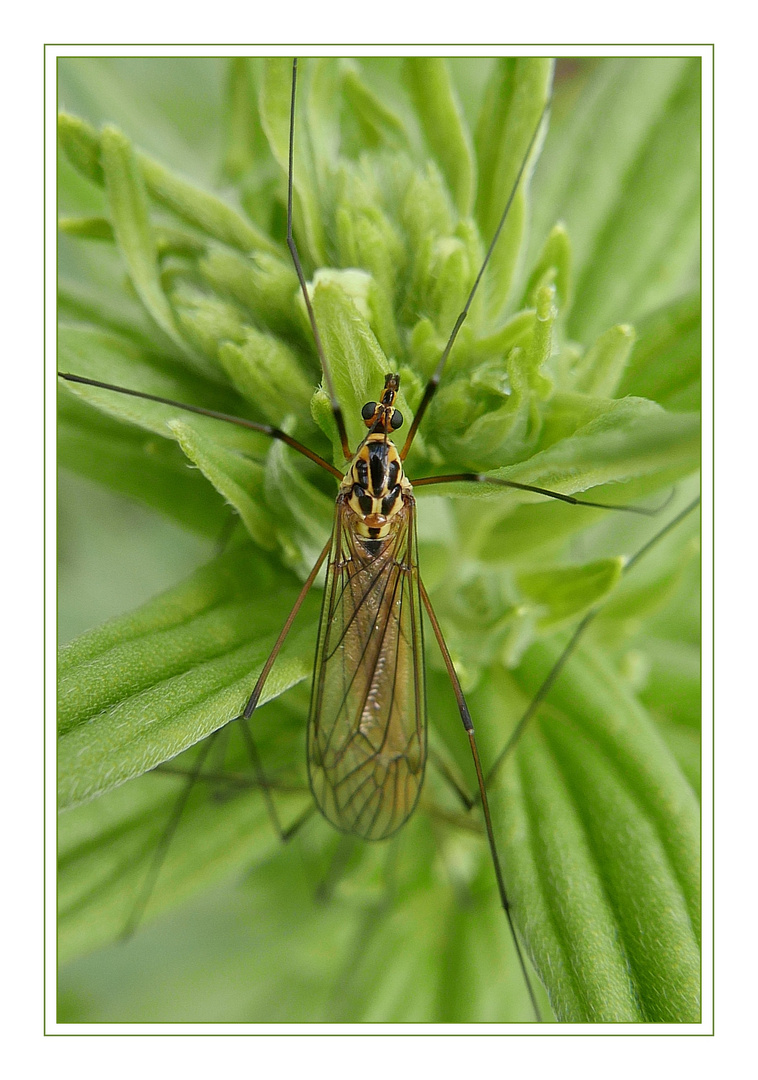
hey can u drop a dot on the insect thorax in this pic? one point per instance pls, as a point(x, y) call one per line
point(374, 485)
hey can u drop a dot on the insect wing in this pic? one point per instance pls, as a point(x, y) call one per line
point(367, 724)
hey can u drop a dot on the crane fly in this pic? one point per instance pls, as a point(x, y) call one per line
point(367, 735)
point(367, 722)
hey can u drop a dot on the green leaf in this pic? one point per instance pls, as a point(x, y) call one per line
point(264, 284)
point(102, 846)
point(665, 362)
point(357, 363)
point(553, 267)
point(368, 240)
point(275, 96)
point(631, 439)
point(567, 591)
point(304, 515)
point(579, 787)
point(673, 682)
point(267, 373)
point(515, 97)
point(443, 125)
point(602, 367)
point(100, 304)
point(209, 214)
point(131, 224)
point(207, 322)
point(80, 143)
point(631, 204)
point(241, 119)
point(146, 686)
point(479, 438)
point(97, 354)
point(322, 95)
point(201, 209)
point(378, 124)
point(241, 482)
point(91, 228)
point(152, 471)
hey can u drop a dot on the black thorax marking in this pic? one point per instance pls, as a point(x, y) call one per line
point(374, 486)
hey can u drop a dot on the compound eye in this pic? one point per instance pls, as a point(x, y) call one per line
point(368, 410)
point(397, 420)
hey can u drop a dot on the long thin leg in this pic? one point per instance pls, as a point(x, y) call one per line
point(263, 783)
point(195, 774)
point(243, 782)
point(266, 670)
point(254, 698)
point(237, 781)
point(336, 410)
point(482, 478)
point(167, 835)
point(240, 421)
point(469, 726)
point(431, 387)
point(557, 667)
point(446, 772)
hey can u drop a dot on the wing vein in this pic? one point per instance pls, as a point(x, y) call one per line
point(367, 728)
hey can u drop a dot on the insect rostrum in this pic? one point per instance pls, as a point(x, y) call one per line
point(392, 228)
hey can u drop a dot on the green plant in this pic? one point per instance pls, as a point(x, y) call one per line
point(398, 188)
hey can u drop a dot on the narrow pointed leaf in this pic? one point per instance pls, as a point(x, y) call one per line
point(605, 833)
point(151, 684)
point(443, 125)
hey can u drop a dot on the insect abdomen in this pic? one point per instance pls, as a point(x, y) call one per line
point(367, 725)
